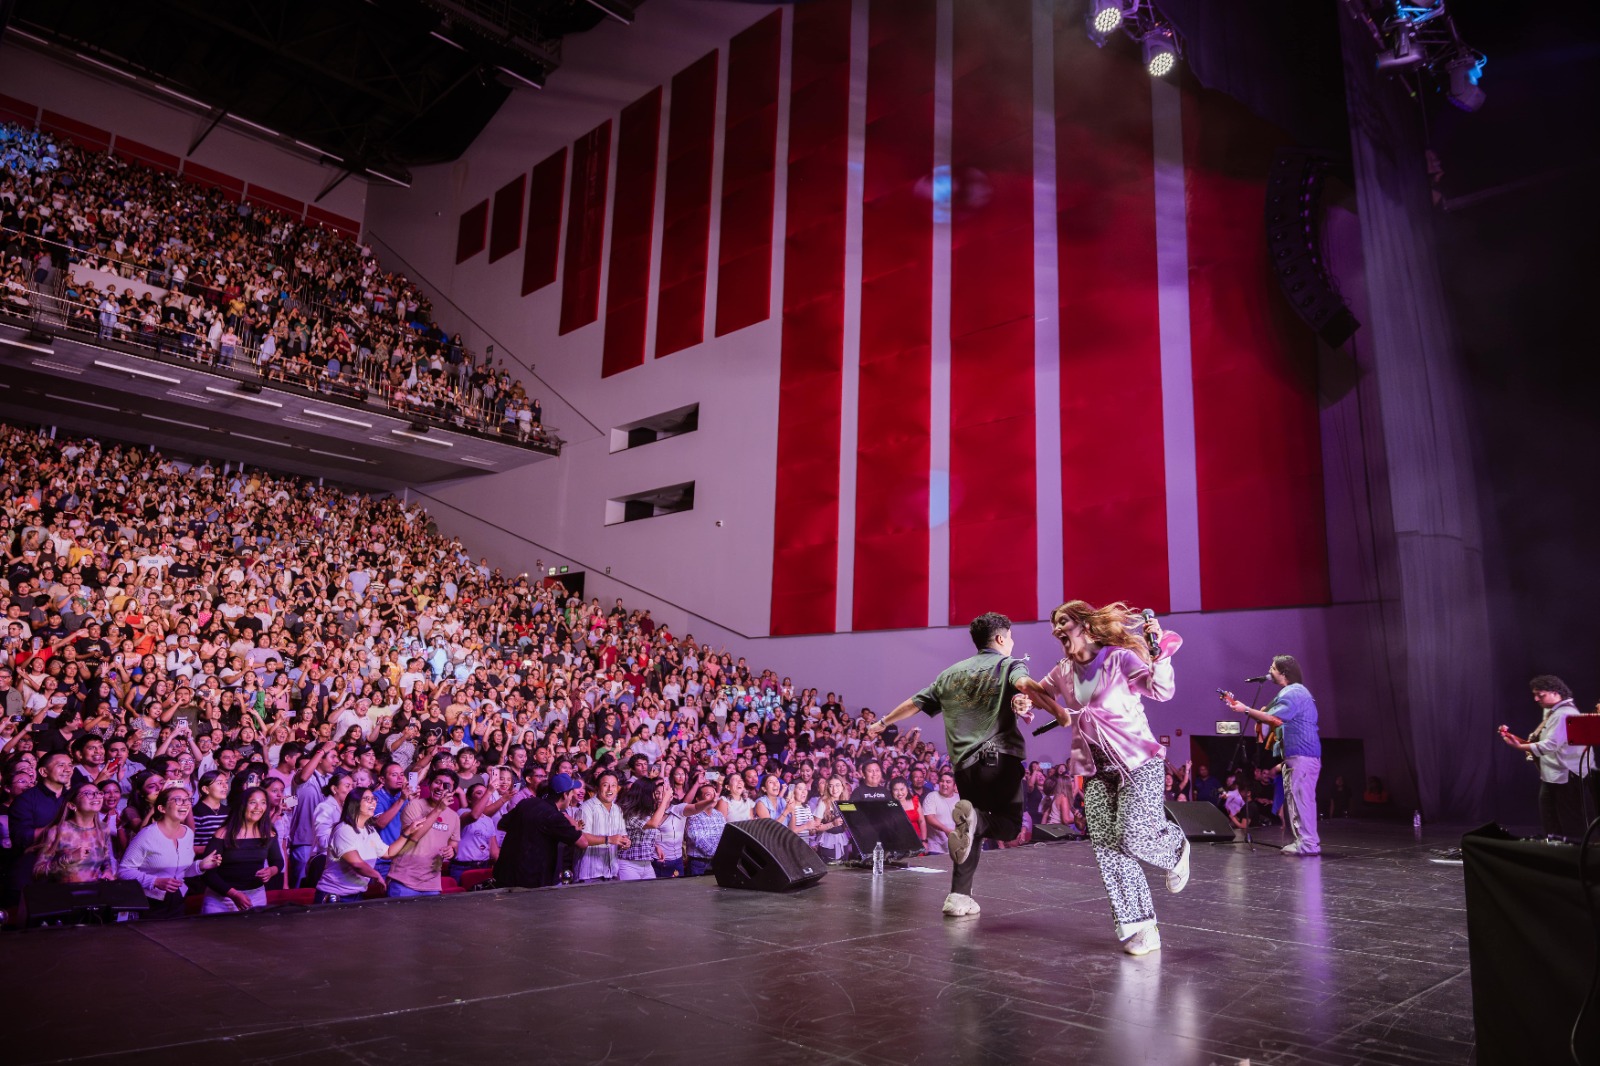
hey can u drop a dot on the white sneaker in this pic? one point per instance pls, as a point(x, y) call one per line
point(957, 905)
point(1178, 876)
point(1289, 849)
point(1144, 941)
point(960, 840)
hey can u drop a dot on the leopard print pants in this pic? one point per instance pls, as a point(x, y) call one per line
point(1126, 824)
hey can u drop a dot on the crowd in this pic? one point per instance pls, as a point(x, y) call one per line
point(220, 683)
point(235, 285)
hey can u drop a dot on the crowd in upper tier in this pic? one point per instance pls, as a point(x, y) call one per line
point(235, 285)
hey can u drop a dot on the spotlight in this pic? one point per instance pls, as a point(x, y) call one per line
point(1105, 18)
point(1464, 72)
point(1160, 51)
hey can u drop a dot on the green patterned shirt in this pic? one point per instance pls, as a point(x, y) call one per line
point(974, 696)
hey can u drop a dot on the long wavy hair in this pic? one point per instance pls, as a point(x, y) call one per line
point(1116, 625)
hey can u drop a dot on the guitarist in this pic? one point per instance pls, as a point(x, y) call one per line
point(1560, 762)
point(1295, 711)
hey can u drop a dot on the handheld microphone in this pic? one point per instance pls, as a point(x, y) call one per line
point(1149, 638)
point(1051, 724)
point(1257, 680)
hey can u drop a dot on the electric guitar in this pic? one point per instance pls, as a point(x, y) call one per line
point(1267, 735)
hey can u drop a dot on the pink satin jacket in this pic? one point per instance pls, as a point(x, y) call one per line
point(1104, 696)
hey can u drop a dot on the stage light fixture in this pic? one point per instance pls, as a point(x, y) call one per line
point(1105, 18)
point(1403, 51)
point(1160, 51)
point(1463, 73)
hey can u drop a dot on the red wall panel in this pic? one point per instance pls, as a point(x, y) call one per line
point(892, 480)
point(505, 227)
point(586, 229)
point(543, 243)
point(992, 484)
point(81, 133)
point(348, 226)
point(750, 143)
point(1257, 433)
point(805, 551)
point(227, 184)
point(473, 231)
point(275, 200)
point(19, 111)
point(1113, 467)
point(686, 208)
point(131, 150)
point(632, 229)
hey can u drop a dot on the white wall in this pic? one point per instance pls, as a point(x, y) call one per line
point(683, 557)
point(113, 104)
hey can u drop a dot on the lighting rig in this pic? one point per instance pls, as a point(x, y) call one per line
point(1139, 21)
point(1419, 43)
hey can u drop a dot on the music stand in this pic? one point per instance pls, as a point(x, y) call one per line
point(874, 822)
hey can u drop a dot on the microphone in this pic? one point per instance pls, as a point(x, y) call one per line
point(1149, 638)
point(1257, 680)
point(1051, 724)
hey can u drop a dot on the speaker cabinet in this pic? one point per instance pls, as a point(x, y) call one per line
point(1200, 821)
point(766, 856)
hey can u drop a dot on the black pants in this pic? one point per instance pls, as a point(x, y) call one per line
point(1561, 807)
point(995, 790)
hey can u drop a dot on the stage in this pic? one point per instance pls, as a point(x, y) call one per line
point(1357, 957)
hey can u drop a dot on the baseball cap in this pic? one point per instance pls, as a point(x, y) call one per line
point(561, 784)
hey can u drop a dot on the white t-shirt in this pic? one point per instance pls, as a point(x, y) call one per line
point(475, 837)
point(339, 878)
point(944, 810)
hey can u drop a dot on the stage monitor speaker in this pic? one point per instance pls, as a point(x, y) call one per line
point(45, 900)
point(1200, 821)
point(250, 388)
point(765, 855)
point(1056, 831)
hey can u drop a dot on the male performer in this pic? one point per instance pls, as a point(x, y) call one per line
point(1560, 763)
point(1294, 710)
point(1108, 666)
point(985, 746)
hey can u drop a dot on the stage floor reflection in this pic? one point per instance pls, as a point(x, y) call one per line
point(1357, 957)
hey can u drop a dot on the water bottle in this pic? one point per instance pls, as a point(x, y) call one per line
point(1416, 820)
point(877, 859)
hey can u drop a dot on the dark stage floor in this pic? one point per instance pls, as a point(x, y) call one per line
point(1359, 957)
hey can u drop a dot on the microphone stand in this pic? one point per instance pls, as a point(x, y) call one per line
point(1238, 763)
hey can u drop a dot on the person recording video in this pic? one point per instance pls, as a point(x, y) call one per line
point(1295, 712)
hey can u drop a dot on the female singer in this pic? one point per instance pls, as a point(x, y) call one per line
point(1107, 668)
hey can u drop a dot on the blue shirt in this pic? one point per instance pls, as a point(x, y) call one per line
point(386, 799)
point(1298, 712)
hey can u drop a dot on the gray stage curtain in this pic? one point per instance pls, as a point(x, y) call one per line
point(1436, 586)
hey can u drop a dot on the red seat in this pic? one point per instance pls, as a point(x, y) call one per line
point(191, 902)
point(291, 897)
point(471, 879)
point(448, 885)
